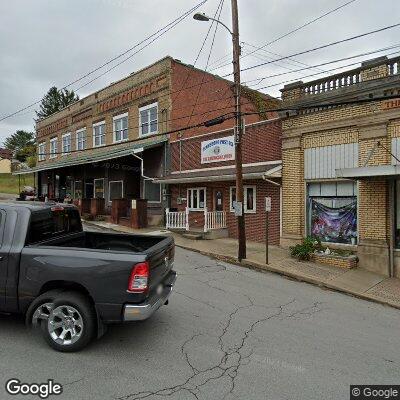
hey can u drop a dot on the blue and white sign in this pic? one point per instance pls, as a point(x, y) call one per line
point(216, 150)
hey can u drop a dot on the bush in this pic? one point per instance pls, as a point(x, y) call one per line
point(304, 250)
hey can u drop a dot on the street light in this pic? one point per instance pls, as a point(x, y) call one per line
point(239, 122)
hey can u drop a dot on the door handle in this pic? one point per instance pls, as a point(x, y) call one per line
point(1, 258)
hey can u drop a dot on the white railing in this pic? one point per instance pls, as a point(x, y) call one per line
point(177, 219)
point(214, 220)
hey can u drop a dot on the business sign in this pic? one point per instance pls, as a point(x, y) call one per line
point(268, 204)
point(215, 150)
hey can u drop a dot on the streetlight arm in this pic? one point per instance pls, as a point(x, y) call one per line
point(219, 22)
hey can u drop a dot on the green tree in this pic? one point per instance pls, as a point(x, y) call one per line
point(55, 100)
point(27, 153)
point(19, 140)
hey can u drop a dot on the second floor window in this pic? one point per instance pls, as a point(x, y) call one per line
point(66, 143)
point(53, 147)
point(120, 123)
point(148, 116)
point(42, 151)
point(99, 134)
point(81, 139)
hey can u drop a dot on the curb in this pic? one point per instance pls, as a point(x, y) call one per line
point(300, 278)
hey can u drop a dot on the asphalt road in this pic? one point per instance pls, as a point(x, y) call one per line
point(228, 333)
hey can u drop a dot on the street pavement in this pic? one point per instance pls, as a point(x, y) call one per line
point(227, 333)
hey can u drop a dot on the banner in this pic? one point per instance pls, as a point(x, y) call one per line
point(215, 150)
point(337, 225)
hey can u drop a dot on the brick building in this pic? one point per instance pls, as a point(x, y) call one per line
point(202, 180)
point(340, 163)
point(105, 150)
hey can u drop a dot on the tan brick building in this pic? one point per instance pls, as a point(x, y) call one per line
point(340, 163)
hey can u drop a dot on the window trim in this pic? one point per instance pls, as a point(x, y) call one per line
point(42, 155)
point(145, 108)
point(94, 137)
point(109, 189)
point(62, 143)
point(84, 139)
point(94, 188)
point(198, 196)
point(54, 155)
point(144, 192)
point(245, 210)
point(117, 117)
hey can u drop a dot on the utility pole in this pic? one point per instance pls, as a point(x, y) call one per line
point(238, 131)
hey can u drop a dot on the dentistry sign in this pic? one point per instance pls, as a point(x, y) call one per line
point(215, 150)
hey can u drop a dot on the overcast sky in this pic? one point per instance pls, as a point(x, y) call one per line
point(52, 42)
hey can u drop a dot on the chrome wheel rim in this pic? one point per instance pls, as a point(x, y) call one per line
point(42, 313)
point(65, 325)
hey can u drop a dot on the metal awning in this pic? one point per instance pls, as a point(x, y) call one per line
point(210, 175)
point(96, 155)
point(370, 172)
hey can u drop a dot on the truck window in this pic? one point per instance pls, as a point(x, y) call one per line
point(51, 223)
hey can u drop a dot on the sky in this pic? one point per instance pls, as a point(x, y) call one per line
point(48, 43)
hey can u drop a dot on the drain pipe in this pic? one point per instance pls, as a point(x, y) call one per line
point(269, 181)
point(134, 153)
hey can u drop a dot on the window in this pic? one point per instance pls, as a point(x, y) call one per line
point(152, 191)
point(99, 188)
point(81, 139)
point(249, 203)
point(99, 134)
point(196, 199)
point(78, 190)
point(53, 148)
point(66, 143)
point(116, 190)
point(42, 151)
point(120, 123)
point(332, 211)
point(148, 119)
point(48, 224)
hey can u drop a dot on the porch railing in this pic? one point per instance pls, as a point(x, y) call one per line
point(177, 219)
point(214, 220)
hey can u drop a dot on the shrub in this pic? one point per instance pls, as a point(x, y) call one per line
point(304, 250)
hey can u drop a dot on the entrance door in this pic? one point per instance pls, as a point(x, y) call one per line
point(89, 190)
point(218, 200)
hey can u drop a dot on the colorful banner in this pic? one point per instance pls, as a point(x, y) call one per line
point(336, 225)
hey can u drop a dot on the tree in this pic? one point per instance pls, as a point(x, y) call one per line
point(55, 100)
point(19, 140)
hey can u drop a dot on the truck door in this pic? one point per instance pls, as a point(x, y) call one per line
point(3, 261)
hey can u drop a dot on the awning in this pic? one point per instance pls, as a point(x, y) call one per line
point(96, 155)
point(370, 172)
point(268, 171)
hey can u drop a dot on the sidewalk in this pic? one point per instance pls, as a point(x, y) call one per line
point(356, 282)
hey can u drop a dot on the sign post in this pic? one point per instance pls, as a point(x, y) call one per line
point(267, 211)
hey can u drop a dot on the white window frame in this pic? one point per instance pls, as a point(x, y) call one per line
point(94, 137)
point(42, 151)
point(246, 211)
point(53, 154)
point(79, 131)
point(190, 196)
point(109, 189)
point(116, 118)
point(65, 135)
point(94, 188)
point(145, 108)
point(144, 191)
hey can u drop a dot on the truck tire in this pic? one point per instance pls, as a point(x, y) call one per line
point(71, 323)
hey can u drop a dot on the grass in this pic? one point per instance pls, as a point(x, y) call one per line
point(9, 183)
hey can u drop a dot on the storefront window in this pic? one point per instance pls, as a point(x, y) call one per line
point(332, 211)
point(152, 191)
point(99, 188)
point(116, 190)
point(78, 189)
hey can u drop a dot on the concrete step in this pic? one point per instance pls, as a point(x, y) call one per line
point(193, 236)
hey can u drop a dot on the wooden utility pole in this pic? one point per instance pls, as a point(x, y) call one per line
point(238, 131)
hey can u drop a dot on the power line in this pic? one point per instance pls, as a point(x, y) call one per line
point(296, 29)
point(321, 47)
point(162, 30)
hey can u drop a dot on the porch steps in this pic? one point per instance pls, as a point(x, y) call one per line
point(193, 236)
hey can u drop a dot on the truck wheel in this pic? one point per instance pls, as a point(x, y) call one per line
point(71, 322)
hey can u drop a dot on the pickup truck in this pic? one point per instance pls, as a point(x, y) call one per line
point(72, 283)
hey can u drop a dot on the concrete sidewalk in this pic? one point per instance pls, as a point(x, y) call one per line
point(357, 282)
